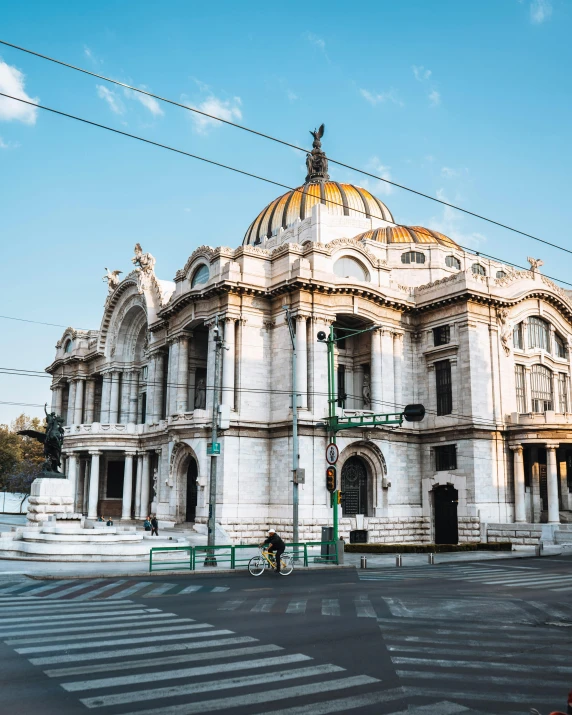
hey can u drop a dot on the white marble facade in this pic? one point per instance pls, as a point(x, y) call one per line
point(484, 347)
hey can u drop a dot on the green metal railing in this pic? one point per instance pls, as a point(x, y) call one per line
point(230, 556)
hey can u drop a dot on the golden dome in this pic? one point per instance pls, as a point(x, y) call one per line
point(341, 200)
point(407, 234)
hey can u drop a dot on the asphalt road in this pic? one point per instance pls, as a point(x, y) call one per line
point(483, 637)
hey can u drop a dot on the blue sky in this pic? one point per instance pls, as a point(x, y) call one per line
point(466, 100)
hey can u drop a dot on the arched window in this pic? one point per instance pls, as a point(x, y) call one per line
point(538, 333)
point(478, 269)
point(541, 388)
point(68, 346)
point(501, 274)
point(559, 346)
point(347, 267)
point(201, 275)
point(413, 257)
point(453, 262)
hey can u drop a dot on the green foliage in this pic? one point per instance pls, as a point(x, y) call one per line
point(21, 458)
point(10, 454)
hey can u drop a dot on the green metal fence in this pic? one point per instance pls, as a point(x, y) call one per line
point(164, 558)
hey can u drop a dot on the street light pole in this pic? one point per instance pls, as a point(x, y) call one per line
point(295, 531)
point(210, 560)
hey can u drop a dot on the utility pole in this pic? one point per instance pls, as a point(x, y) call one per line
point(210, 559)
point(295, 531)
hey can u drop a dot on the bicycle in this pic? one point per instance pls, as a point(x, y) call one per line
point(266, 560)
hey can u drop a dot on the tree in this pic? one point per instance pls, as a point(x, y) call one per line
point(10, 454)
point(32, 450)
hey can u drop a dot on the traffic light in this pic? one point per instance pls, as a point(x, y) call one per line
point(339, 497)
point(414, 413)
point(331, 479)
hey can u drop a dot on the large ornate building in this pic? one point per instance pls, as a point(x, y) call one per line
point(484, 347)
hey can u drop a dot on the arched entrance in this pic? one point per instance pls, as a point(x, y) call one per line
point(445, 502)
point(192, 490)
point(354, 487)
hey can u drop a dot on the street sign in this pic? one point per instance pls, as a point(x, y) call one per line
point(332, 453)
point(213, 448)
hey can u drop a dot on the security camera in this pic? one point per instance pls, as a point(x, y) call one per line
point(321, 336)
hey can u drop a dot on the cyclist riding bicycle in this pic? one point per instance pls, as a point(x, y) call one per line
point(276, 545)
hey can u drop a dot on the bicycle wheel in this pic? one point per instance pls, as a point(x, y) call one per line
point(256, 565)
point(286, 565)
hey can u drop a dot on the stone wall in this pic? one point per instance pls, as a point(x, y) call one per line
point(469, 529)
point(523, 534)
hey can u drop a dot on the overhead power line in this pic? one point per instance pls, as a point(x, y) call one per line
point(250, 174)
point(283, 142)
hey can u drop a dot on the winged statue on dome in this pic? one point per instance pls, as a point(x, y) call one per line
point(316, 160)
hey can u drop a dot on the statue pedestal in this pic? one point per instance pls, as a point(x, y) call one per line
point(50, 496)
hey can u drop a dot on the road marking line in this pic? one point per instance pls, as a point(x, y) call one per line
point(109, 622)
point(297, 605)
point(204, 687)
point(167, 660)
point(63, 607)
point(122, 641)
point(263, 605)
point(53, 586)
point(509, 652)
point(149, 650)
point(257, 698)
point(220, 589)
point(483, 694)
point(363, 606)
point(479, 664)
point(159, 590)
point(124, 593)
point(230, 605)
point(130, 630)
point(190, 589)
point(522, 683)
point(75, 617)
point(154, 677)
point(356, 701)
point(89, 595)
point(330, 607)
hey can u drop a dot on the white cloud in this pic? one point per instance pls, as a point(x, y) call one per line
point(375, 98)
point(316, 41)
point(112, 98)
point(91, 56)
point(374, 166)
point(421, 74)
point(8, 145)
point(228, 110)
point(450, 222)
point(149, 103)
point(12, 82)
point(540, 11)
point(434, 98)
point(292, 96)
point(449, 173)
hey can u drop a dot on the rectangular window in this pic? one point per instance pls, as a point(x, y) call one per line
point(520, 385)
point(563, 388)
point(445, 457)
point(559, 346)
point(442, 335)
point(541, 392)
point(517, 337)
point(444, 387)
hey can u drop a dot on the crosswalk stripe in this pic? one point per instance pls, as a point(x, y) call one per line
point(125, 592)
point(488, 679)
point(297, 605)
point(190, 589)
point(553, 610)
point(167, 660)
point(364, 609)
point(121, 622)
point(479, 664)
point(154, 677)
point(538, 581)
point(330, 607)
point(66, 591)
point(500, 636)
point(148, 650)
point(19, 587)
point(484, 641)
point(261, 696)
point(77, 616)
point(131, 630)
point(88, 595)
point(220, 589)
point(122, 641)
point(469, 695)
point(37, 588)
point(204, 687)
point(546, 658)
point(443, 708)
point(230, 605)
point(60, 607)
point(351, 703)
point(568, 588)
point(263, 605)
point(160, 590)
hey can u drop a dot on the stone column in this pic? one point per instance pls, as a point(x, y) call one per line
point(145, 477)
point(138, 486)
point(302, 361)
point(228, 364)
point(358, 387)
point(172, 372)
point(78, 409)
point(72, 472)
point(89, 400)
point(105, 398)
point(124, 396)
point(519, 490)
point(114, 401)
point(132, 415)
point(93, 485)
point(57, 399)
point(150, 407)
point(71, 402)
point(552, 485)
point(182, 390)
point(127, 486)
point(375, 372)
point(398, 369)
point(158, 387)
point(388, 388)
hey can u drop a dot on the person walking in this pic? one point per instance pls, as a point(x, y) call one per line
point(154, 526)
point(275, 545)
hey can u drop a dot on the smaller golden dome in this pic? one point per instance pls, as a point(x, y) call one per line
point(407, 234)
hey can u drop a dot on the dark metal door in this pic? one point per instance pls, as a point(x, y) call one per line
point(446, 500)
point(354, 487)
point(191, 490)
